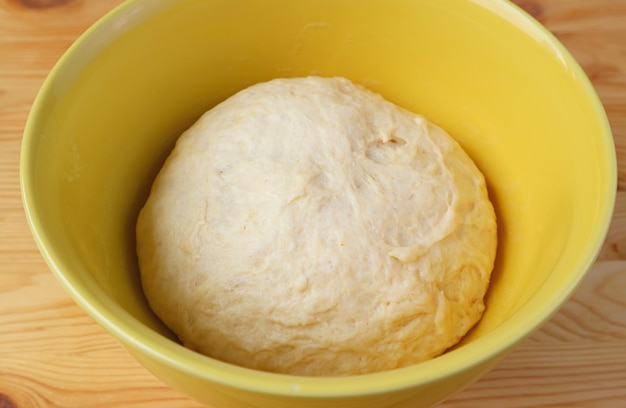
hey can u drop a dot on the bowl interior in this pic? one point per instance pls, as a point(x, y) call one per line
point(493, 78)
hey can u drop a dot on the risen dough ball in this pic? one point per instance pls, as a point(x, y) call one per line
point(307, 226)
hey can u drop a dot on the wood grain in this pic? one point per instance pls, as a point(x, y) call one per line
point(53, 355)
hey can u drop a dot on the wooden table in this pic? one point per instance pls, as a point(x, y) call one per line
point(53, 355)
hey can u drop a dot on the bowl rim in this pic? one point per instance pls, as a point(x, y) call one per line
point(138, 337)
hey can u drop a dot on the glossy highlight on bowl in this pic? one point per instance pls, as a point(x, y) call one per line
point(494, 78)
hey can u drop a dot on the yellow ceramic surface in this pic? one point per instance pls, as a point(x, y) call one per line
point(482, 69)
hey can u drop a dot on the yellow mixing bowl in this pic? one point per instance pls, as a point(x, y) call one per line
point(482, 69)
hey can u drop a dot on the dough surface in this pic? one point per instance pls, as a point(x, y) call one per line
point(307, 226)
